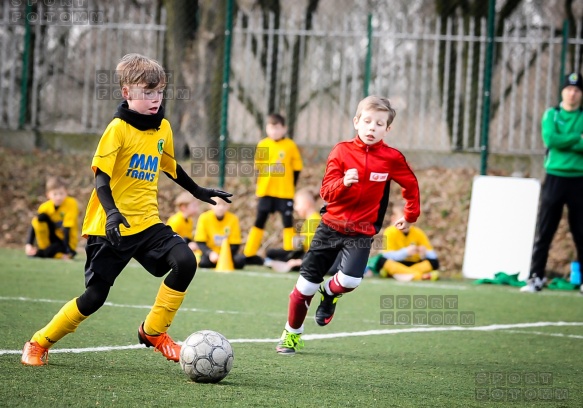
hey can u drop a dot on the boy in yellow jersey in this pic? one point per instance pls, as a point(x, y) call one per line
point(122, 220)
point(277, 164)
point(55, 227)
point(305, 206)
point(212, 228)
point(408, 254)
point(182, 222)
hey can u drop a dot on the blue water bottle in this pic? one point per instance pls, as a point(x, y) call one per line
point(575, 273)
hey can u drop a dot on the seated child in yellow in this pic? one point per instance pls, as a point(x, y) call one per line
point(407, 255)
point(55, 227)
point(305, 205)
point(182, 222)
point(212, 227)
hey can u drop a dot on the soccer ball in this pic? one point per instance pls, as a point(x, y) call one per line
point(206, 356)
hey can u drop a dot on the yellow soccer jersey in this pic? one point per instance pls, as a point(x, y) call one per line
point(395, 240)
point(66, 216)
point(275, 164)
point(181, 225)
point(133, 159)
point(309, 229)
point(212, 231)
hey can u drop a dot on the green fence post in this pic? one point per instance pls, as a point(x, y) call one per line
point(564, 46)
point(487, 86)
point(368, 63)
point(25, 65)
point(223, 140)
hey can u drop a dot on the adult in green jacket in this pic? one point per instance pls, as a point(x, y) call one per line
point(562, 134)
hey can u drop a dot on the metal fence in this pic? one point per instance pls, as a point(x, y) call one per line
point(71, 49)
point(312, 71)
point(433, 71)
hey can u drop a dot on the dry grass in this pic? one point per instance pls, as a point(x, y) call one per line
point(445, 197)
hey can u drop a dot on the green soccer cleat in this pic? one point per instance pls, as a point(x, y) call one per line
point(325, 311)
point(289, 343)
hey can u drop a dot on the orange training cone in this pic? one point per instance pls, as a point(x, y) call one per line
point(225, 262)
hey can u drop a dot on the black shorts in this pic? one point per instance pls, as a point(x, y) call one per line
point(268, 205)
point(148, 247)
point(327, 245)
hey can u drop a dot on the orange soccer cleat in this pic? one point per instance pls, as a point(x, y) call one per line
point(34, 355)
point(162, 343)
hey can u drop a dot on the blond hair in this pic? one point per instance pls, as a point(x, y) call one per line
point(134, 69)
point(308, 192)
point(54, 183)
point(376, 103)
point(183, 198)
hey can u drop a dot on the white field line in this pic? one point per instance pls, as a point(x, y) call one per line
point(110, 304)
point(294, 276)
point(530, 333)
point(280, 315)
point(492, 327)
point(388, 283)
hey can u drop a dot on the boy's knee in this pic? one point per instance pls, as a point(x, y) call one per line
point(305, 287)
point(94, 296)
point(348, 281)
point(186, 261)
point(183, 263)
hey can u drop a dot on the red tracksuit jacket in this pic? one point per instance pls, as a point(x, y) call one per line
point(361, 208)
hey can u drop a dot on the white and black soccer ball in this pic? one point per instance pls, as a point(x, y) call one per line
point(206, 356)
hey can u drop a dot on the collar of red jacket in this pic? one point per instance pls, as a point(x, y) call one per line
point(361, 145)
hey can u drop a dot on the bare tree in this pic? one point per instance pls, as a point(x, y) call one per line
point(195, 48)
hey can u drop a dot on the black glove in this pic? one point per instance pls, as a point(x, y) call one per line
point(205, 194)
point(114, 218)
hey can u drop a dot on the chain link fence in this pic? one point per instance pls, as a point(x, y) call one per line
point(58, 60)
point(312, 61)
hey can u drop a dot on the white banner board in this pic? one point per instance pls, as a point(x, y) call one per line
point(501, 226)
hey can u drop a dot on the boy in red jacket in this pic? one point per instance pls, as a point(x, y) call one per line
point(356, 189)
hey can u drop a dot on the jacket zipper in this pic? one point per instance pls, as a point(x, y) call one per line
point(361, 190)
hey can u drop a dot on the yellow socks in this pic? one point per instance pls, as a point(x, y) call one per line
point(162, 313)
point(64, 322)
point(418, 270)
point(253, 241)
point(394, 268)
point(256, 235)
point(288, 239)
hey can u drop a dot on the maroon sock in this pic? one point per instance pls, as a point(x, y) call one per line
point(336, 288)
point(298, 308)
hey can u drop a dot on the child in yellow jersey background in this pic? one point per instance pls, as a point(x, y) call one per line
point(278, 164)
point(214, 226)
point(182, 222)
point(122, 221)
point(305, 206)
point(407, 255)
point(56, 226)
